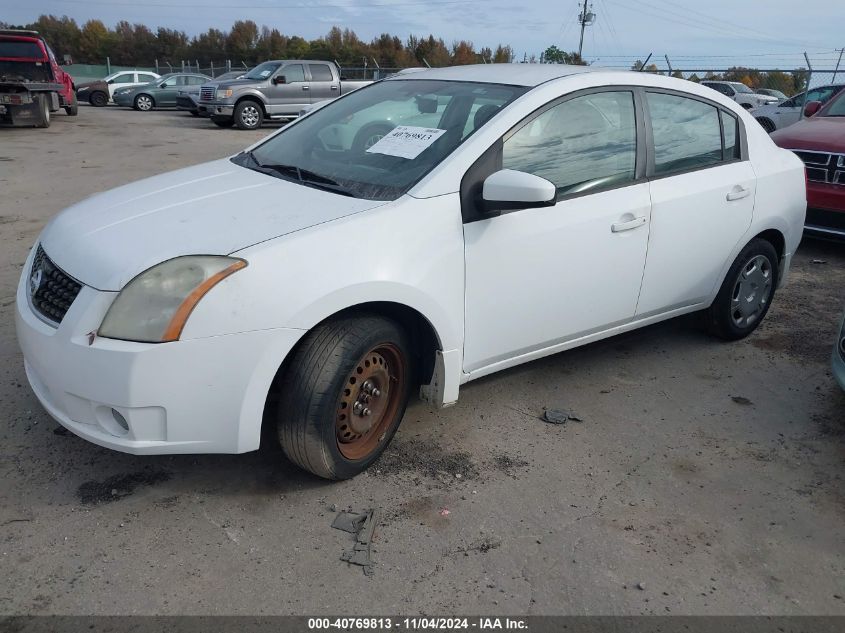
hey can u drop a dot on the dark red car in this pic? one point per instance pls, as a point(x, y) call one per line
point(819, 140)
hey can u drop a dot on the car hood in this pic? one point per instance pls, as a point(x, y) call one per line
point(239, 83)
point(823, 134)
point(215, 208)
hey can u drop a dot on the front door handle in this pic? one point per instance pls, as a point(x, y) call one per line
point(737, 193)
point(305, 87)
point(618, 227)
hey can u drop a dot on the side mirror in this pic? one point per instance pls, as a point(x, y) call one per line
point(811, 108)
point(280, 79)
point(509, 189)
point(163, 85)
point(111, 81)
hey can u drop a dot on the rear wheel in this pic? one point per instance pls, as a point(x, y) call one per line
point(344, 395)
point(72, 108)
point(369, 136)
point(144, 103)
point(222, 121)
point(746, 293)
point(42, 116)
point(98, 99)
point(248, 115)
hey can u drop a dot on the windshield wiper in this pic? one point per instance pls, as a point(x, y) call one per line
point(304, 176)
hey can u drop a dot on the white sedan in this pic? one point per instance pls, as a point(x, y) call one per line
point(314, 284)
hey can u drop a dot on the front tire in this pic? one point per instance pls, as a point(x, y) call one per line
point(248, 115)
point(369, 136)
point(344, 394)
point(144, 103)
point(72, 108)
point(98, 99)
point(746, 293)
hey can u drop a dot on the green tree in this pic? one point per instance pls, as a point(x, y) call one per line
point(95, 42)
point(503, 55)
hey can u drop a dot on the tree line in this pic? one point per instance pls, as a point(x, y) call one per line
point(789, 83)
point(137, 45)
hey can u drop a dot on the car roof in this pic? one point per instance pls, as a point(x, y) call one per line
point(511, 74)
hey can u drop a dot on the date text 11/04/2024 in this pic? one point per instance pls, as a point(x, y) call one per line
point(420, 623)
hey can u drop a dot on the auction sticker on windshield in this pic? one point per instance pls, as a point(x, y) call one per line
point(406, 141)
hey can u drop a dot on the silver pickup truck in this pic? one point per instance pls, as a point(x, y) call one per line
point(277, 89)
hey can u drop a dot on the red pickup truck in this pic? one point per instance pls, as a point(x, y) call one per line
point(32, 84)
point(819, 140)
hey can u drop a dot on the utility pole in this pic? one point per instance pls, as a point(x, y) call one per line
point(586, 18)
point(839, 61)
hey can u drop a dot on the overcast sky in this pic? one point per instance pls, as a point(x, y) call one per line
point(694, 33)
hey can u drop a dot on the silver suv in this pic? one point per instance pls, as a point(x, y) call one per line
point(740, 93)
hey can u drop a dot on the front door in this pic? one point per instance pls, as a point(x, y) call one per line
point(292, 94)
point(536, 278)
point(702, 192)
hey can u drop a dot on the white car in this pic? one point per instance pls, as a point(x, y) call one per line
point(777, 116)
point(740, 93)
point(316, 287)
point(99, 93)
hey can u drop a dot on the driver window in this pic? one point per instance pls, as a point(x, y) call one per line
point(293, 73)
point(585, 143)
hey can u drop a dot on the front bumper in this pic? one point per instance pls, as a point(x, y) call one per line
point(218, 109)
point(825, 210)
point(124, 99)
point(194, 396)
point(185, 103)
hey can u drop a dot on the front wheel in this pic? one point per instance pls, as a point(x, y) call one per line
point(72, 108)
point(98, 99)
point(746, 293)
point(344, 394)
point(144, 103)
point(248, 115)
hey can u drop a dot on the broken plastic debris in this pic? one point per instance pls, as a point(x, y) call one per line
point(559, 416)
point(363, 525)
point(741, 400)
point(445, 512)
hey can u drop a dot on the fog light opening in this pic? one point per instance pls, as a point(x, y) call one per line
point(121, 421)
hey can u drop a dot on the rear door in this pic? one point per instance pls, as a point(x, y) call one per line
point(702, 192)
point(324, 83)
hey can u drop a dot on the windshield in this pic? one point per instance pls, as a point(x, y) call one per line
point(742, 88)
point(262, 71)
point(836, 107)
point(377, 142)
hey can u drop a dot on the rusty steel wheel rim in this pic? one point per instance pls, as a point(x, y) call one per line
point(369, 401)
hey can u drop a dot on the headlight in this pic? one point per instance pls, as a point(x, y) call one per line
point(224, 94)
point(154, 306)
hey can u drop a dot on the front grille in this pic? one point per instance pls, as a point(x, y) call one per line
point(823, 167)
point(51, 290)
point(207, 93)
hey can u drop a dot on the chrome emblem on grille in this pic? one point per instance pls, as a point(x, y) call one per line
point(35, 281)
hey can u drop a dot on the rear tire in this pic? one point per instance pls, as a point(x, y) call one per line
point(72, 108)
point(43, 114)
point(746, 293)
point(249, 115)
point(98, 99)
point(344, 394)
point(225, 121)
point(369, 136)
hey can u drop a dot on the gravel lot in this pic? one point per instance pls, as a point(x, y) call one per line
point(710, 474)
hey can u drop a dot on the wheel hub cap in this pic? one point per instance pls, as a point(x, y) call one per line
point(752, 291)
point(250, 115)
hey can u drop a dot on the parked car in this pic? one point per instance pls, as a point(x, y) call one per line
point(273, 90)
point(187, 99)
point(838, 360)
point(780, 115)
point(777, 94)
point(740, 93)
point(32, 83)
point(316, 287)
point(819, 141)
point(160, 93)
point(99, 93)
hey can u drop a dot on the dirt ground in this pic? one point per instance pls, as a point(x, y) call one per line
point(705, 477)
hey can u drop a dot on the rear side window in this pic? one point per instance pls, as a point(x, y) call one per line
point(584, 144)
point(320, 72)
point(14, 48)
point(126, 78)
point(196, 81)
point(687, 133)
point(146, 78)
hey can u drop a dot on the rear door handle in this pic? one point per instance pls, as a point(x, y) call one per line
point(737, 193)
point(334, 87)
point(618, 227)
